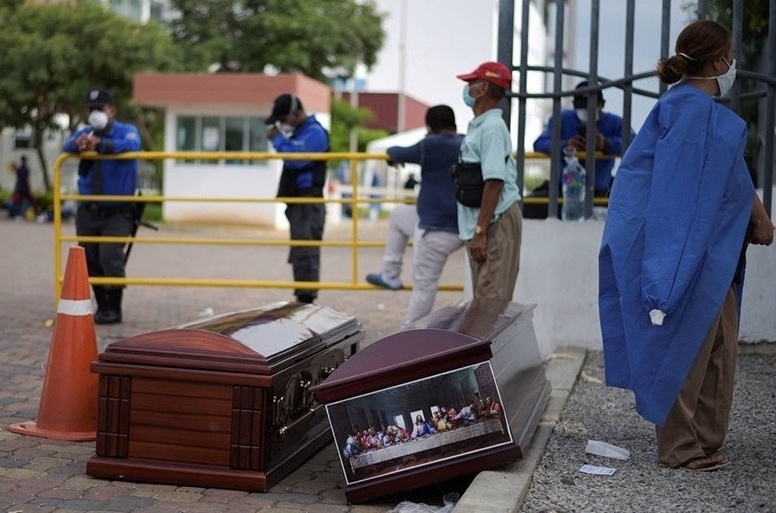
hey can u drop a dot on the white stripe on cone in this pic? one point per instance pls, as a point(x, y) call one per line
point(75, 307)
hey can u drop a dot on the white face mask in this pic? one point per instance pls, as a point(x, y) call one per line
point(582, 114)
point(726, 80)
point(98, 120)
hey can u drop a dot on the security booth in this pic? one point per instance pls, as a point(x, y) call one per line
point(217, 112)
point(223, 402)
point(475, 365)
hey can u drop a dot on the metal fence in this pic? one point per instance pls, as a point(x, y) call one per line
point(764, 80)
point(359, 196)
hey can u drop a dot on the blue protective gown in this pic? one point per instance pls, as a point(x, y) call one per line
point(677, 219)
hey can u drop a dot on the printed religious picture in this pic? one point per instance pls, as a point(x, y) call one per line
point(438, 418)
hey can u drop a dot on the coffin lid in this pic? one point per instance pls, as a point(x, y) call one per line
point(267, 338)
point(449, 338)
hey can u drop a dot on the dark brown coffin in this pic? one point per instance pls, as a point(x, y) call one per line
point(467, 342)
point(224, 402)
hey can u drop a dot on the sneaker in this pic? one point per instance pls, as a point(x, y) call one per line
point(377, 279)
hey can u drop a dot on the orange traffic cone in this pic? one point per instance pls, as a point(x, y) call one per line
point(68, 403)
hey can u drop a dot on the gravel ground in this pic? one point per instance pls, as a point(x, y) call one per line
point(597, 412)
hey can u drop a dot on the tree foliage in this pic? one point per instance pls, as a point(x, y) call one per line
point(754, 34)
point(314, 37)
point(53, 53)
point(754, 27)
point(345, 118)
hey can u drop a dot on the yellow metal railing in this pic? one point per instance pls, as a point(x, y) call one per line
point(354, 201)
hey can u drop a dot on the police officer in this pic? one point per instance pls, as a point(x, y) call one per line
point(292, 130)
point(105, 135)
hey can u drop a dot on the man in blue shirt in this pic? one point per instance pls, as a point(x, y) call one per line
point(608, 138)
point(105, 135)
point(433, 223)
point(291, 130)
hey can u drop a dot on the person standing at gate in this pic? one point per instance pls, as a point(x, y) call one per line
point(105, 135)
point(573, 132)
point(292, 130)
point(22, 199)
point(682, 207)
point(489, 218)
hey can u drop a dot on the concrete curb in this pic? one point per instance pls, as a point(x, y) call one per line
point(503, 490)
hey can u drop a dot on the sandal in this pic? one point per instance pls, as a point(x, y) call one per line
point(706, 463)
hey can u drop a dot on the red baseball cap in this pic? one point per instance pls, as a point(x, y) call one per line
point(493, 72)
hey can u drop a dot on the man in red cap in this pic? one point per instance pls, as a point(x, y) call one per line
point(489, 218)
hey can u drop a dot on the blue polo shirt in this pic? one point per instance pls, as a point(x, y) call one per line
point(436, 154)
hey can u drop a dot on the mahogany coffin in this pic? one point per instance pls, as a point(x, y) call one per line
point(480, 355)
point(223, 402)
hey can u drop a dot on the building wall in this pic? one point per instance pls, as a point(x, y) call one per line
point(224, 95)
point(385, 107)
point(52, 145)
point(559, 274)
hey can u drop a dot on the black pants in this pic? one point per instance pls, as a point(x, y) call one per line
point(306, 223)
point(105, 259)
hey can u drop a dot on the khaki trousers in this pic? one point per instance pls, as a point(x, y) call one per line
point(497, 275)
point(698, 422)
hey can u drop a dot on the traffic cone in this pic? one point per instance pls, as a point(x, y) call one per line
point(68, 403)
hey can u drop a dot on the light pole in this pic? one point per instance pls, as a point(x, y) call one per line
point(401, 114)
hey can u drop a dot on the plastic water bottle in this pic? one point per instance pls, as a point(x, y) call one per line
point(573, 187)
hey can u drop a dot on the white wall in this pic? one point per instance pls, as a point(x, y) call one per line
point(214, 179)
point(52, 146)
point(222, 181)
point(559, 274)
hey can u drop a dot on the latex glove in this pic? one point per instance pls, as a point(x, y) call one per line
point(657, 317)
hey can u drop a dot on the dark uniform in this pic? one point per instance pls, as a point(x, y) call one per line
point(105, 218)
point(302, 178)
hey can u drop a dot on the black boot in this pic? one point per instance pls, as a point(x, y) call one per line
point(99, 297)
point(306, 298)
point(111, 313)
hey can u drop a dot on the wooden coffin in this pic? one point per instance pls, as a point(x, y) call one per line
point(456, 357)
point(223, 402)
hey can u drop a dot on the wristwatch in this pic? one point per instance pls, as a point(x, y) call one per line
point(478, 230)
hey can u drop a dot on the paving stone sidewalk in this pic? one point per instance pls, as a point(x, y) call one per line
point(44, 475)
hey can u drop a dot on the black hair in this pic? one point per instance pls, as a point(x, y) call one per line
point(580, 100)
point(440, 117)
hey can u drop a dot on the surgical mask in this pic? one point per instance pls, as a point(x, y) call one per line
point(98, 120)
point(727, 79)
point(286, 128)
point(582, 114)
point(467, 98)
